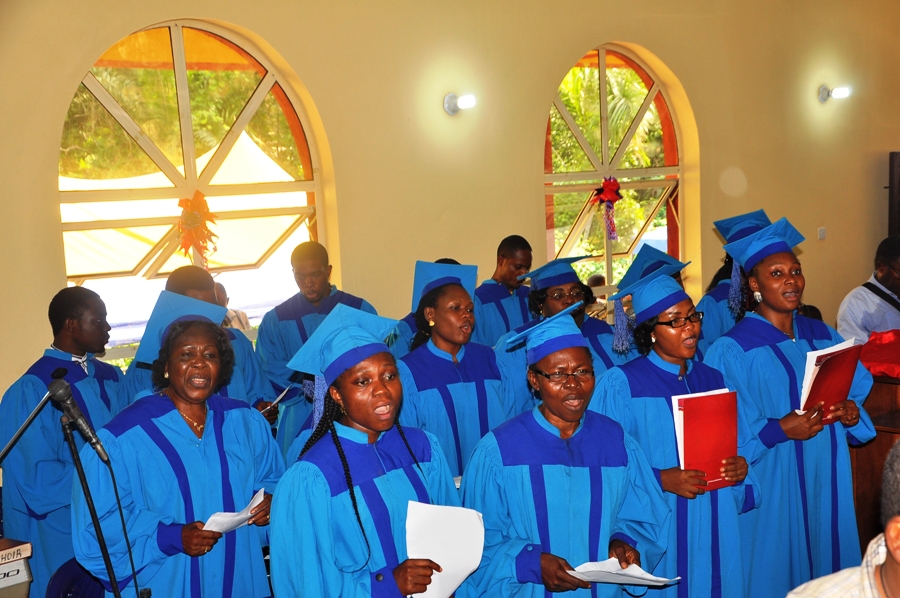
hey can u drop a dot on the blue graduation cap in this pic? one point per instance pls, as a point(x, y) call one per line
point(648, 259)
point(554, 273)
point(775, 238)
point(345, 337)
point(653, 294)
point(430, 276)
point(740, 226)
point(554, 334)
point(169, 308)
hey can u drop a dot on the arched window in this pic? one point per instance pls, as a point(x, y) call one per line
point(176, 112)
point(611, 118)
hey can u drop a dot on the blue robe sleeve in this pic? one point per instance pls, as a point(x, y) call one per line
point(513, 375)
point(273, 352)
point(408, 414)
point(256, 386)
point(368, 307)
point(137, 379)
point(438, 481)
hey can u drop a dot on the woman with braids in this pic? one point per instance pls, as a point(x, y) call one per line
point(726, 296)
point(179, 456)
point(339, 514)
point(806, 524)
point(704, 547)
point(558, 486)
point(554, 287)
point(451, 387)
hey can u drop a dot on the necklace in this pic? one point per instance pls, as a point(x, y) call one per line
point(190, 421)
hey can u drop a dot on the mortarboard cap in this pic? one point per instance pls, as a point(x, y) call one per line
point(775, 238)
point(742, 225)
point(171, 307)
point(430, 276)
point(648, 259)
point(653, 294)
point(556, 272)
point(554, 334)
point(345, 337)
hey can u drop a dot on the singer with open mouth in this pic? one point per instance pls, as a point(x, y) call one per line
point(179, 456)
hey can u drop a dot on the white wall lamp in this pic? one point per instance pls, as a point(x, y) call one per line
point(453, 104)
point(838, 93)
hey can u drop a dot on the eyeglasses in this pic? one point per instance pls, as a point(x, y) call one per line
point(682, 322)
point(576, 294)
point(560, 378)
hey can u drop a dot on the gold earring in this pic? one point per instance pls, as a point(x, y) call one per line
point(430, 323)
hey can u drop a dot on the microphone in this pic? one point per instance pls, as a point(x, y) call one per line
point(61, 394)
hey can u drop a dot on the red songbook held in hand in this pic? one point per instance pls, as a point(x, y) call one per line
point(706, 430)
point(829, 376)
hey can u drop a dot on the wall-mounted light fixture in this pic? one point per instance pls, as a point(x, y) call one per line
point(453, 104)
point(838, 92)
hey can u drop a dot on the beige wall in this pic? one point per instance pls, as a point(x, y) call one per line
point(410, 182)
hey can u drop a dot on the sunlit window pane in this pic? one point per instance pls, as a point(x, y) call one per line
point(568, 155)
point(276, 129)
point(580, 93)
point(109, 251)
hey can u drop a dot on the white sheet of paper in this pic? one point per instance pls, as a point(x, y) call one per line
point(609, 571)
point(811, 370)
point(226, 522)
point(452, 537)
point(281, 396)
point(678, 416)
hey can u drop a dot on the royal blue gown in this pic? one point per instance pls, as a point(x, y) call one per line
point(541, 493)
point(704, 546)
point(806, 524)
point(167, 477)
point(457, 402)
point(281, 334)
point(401, 336)
point(497, 311)
point(717, 317)
point(317, 547)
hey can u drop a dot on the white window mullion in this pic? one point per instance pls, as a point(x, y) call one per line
point(635, 124)
point(184, 105)
point(576, 131)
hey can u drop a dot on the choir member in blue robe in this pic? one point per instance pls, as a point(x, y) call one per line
point(725, 296)
point(501, 302)
point(287, 327)
point(190, 290)
point(339, 514)
point(559, 486)
point(554, 287)
point(38, 472)
point(451, 387)
point(179, 456)
point(704, 546)
point(401, 337)
point(806, 525)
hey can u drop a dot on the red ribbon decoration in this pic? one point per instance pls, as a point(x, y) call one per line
point(192, 226)
point(607, 195)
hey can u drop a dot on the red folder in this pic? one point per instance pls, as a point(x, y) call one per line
point(710, 433)
point(833, 379)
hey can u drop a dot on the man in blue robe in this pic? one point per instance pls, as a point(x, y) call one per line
point(248, 383)
point(501, 302)
point(38, 472)
point(287, 327)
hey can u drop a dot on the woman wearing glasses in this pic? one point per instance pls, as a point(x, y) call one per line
point(703, 542)
point(554, 287)
point(806, 525)
point(559, 487)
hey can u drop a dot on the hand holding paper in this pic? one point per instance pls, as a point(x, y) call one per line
point(226, 522)
point(828, 377)
point(609, 571)
point(452, 537)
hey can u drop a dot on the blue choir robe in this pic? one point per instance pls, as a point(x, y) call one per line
point(248, 383)
point(806, 525)
point(703, 538)
point(317, 547)
point(513, 362)
point(167, 477)
point(540, 493)
point(457, 402)
point(401, 336)
point(497, 311)
point(38, 472)
point(281, 334)
point(717, 317)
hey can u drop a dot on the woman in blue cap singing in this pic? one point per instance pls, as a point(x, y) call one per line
point(806, 525)
point(451, 387)
point(339, 514)
point(559, 487)
point(703, 541)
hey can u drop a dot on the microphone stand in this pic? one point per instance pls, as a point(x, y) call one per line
point(12, 442)
point(104, 551)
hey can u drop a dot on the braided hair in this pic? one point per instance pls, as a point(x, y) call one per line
point(429, 299)
point(332, 412)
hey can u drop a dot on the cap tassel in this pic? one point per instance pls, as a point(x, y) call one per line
point(622, 336)
point(316, 390)
point(736, 291)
